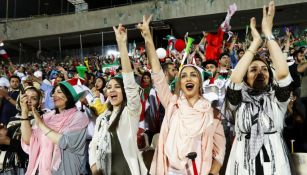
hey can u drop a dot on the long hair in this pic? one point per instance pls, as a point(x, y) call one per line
point(178, 86)
point(114, 124)
point(104, 82)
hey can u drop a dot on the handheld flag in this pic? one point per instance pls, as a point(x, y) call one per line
point(3, 52)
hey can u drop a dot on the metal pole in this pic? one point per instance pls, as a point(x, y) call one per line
point(15, 8)
point(102, 43)
point(81, 48)
point(39, 7)
point(67, 7)
point(20, 49)
point(39, 45)
point(60, 48)
point(61, 6)
point(7, 10)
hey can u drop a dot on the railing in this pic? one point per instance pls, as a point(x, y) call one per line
point(3, 20)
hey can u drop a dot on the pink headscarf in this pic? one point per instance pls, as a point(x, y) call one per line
point(41, 146)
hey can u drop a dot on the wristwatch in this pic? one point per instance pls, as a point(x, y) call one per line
point(270, 37)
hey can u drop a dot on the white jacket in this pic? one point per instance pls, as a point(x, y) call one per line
point(126, 130)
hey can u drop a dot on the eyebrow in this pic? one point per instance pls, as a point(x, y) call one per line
point(113, 84)
point(257, 66)
point(189, 72)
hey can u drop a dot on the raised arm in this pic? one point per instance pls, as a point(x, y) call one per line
point(287, 45)
point(121, 39)
point(201, 55)
point(278, 59)
point(232, 44)
point(25, 128)
point(149, 44)
point(242, 66)
point(158, 77)
point(131, 87)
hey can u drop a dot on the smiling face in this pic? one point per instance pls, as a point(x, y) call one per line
point(115, 92)
point(59, 98)
point(189, 82)
point(258, 75)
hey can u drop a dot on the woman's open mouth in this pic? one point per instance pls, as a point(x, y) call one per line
point(113, 97)
point(189, 86)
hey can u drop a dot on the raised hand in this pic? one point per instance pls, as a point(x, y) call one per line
point(267, 19)
point(37, 116)
point(144, 26)
point(255, 34)
point(24, 105)
point(95, 92)
point(234, 37)
point(61, 69)
point(120, 33)
point(3, 130)
point(288, 33)
point(205, 33)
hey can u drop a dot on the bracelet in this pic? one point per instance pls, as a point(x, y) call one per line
point(48, 132)
point(24, 119)
point(270, 38)
point(248, 50)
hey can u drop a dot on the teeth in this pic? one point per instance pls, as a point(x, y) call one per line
point(189, 85)
point(113, 96)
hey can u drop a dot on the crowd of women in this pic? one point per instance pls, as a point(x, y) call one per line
point(159, 120)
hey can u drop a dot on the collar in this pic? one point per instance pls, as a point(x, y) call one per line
point(13, 90)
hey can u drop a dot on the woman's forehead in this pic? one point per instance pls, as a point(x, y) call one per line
point(257, 63)
point(31, 92)
point(188, 69)
point(58, 88)
point(113, 82)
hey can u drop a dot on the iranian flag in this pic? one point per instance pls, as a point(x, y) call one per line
point(3, 52)
point(112, 67)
